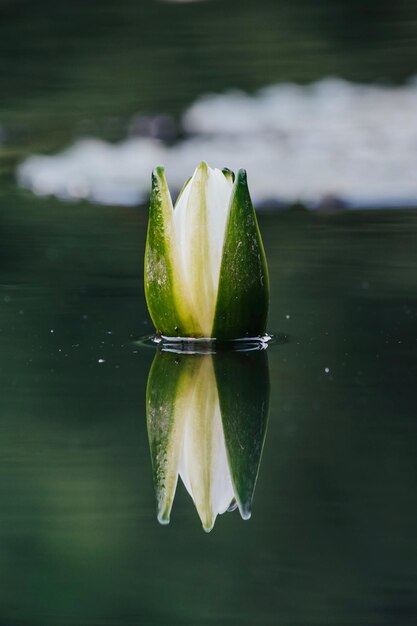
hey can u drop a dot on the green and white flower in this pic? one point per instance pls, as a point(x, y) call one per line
point(205, 267)
point(206, 418)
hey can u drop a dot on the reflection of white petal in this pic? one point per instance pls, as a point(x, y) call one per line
point(204, 467)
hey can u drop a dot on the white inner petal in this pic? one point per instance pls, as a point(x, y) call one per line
point(200, 219)
point(219, 190)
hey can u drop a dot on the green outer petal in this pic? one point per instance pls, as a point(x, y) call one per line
point(166, 393)
point(229, 174)
point(160, 417)
point(159, 259)
point(243, 388)
point(243, 293)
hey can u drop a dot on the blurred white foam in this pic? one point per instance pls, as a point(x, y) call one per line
point(331, 139)
point(95, 170)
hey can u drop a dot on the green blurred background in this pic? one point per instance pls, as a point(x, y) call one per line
point(67, 68)
point(332, 537)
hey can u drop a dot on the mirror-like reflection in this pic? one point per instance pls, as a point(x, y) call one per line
point(207, 416)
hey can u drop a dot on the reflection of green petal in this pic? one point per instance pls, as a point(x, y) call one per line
point(165, 428)
point(242, 300)
point(243, 387)
point(159, 261)
point(206, 419)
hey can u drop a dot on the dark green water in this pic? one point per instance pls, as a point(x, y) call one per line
point(86, 66)
point(332, 536)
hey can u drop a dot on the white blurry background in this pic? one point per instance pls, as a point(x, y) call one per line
point(330, 141)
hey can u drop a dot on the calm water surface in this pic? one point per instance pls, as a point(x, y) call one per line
point(332, 535)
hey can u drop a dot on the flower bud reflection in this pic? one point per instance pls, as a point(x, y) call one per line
point(206, 418)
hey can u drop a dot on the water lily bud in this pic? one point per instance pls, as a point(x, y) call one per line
point(206, 419)
point(205, 267)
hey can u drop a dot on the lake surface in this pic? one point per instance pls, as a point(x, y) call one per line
point(332, 535)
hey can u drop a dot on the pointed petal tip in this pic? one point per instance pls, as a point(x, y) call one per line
point(158, 173)
point(245, 508)
point(207, 520)
point(208, 527)
point(163, 517)
point(229, 174)
point(245, 512)
point(201, 173)
point(241, 177)
point(203, 165)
